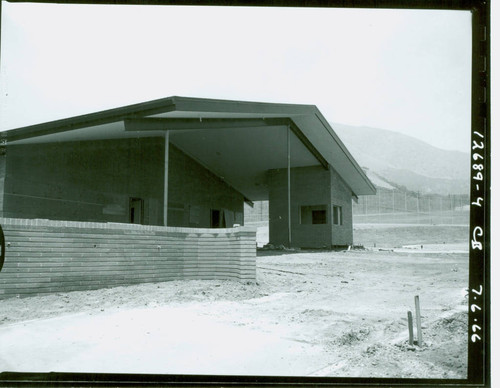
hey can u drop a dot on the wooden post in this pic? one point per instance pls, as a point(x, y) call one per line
point(419, 322)
point(410, 327)
point(165, 183)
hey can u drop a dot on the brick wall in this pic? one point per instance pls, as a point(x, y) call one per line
point(44, 256)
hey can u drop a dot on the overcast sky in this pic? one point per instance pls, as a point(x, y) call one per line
point(402, 70)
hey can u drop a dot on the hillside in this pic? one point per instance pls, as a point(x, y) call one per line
point(406, 161)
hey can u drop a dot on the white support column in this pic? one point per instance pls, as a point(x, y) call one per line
point(165, 178)
point(288, 188)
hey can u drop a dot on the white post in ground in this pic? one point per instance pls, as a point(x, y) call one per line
point(165, 178)
point(288, 188)
point(410, 328)
point(418, 319)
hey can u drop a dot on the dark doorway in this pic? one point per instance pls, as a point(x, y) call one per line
point(215, 218)
point(136, 210)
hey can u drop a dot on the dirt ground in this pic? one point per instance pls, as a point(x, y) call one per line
point(351, 306)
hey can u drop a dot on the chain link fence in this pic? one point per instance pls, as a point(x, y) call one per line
point(396, 206)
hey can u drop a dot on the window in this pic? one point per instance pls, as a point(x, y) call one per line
point(313, 214)
point(337, 215)
point(319, 216)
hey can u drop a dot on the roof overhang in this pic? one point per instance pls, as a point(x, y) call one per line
point(239, 141)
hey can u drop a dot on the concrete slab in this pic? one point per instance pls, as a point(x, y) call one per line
point(166, 340)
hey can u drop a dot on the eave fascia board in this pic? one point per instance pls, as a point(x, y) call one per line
point(346, 152)
point(249, 202)
point(89, 120)
point(193, 104)
point(198, 123)
point(303, 138)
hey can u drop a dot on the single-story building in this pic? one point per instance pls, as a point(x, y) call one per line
point(155, 191)
point(187, 162)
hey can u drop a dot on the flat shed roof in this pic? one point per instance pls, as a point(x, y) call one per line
point(237, 140)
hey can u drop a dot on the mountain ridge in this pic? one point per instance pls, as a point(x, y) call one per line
point(406, 161)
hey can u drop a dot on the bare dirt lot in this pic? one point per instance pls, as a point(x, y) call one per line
point(346, 312)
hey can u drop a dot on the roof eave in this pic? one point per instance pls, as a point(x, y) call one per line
point(91, 119)
point(187, 104)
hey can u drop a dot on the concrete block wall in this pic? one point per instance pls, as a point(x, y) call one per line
point(45, 256)
point(309, 186)
point(258, 213)
point(95, 180)
point(84, 181)
point(193, 191)
point(341, 196)
point(278, 207)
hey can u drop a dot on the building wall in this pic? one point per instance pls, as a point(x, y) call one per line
point(259, 212)
point(278, 210)
point(85, 181)
point(43, 256)
point(312, 187)
point(193, 191)
point(95, 181)
point(341, 195)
